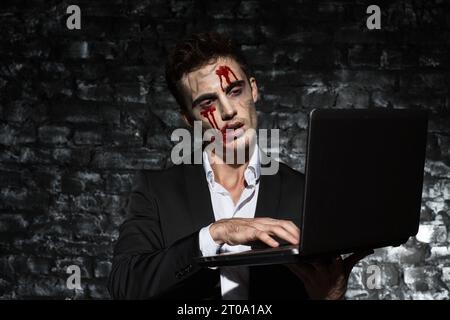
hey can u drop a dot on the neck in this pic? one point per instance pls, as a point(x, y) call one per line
point(230, 176)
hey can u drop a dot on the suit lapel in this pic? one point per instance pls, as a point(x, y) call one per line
point(198, 196)
point(268, 196)
point(267, 206)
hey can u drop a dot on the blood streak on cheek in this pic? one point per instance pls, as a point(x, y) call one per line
point(208, 113)
point(224, 71)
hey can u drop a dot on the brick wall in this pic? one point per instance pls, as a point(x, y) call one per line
point(82, 110)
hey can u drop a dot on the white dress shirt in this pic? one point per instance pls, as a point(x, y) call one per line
point(233, 280)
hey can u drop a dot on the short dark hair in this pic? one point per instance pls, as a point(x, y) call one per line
point(196, 51)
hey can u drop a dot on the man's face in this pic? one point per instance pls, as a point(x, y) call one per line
point(222, 97)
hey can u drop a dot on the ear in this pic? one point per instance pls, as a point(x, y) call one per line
point(187, 118)
point(254, 87)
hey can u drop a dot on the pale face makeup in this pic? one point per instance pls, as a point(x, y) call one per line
point(221, 96)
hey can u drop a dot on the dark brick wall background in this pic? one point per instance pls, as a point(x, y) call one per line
point(81, 111)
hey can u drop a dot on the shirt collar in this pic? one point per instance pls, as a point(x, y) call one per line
point(251, 173)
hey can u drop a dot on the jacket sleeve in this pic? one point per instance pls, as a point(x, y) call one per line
point(144, 266)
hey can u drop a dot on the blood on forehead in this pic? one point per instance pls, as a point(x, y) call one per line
point(224, 71)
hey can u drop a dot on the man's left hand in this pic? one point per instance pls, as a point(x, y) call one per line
point(327, 279)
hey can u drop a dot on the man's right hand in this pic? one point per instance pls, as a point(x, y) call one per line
point(237, 231)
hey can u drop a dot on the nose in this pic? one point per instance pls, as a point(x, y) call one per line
point(227, 110)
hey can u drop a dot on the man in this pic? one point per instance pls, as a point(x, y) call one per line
point(180, 213)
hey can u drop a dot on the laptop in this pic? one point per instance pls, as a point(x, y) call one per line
point(363, 186)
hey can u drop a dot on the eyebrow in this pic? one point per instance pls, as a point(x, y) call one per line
point(206, 96)
point(234, 84)
point(212, 96)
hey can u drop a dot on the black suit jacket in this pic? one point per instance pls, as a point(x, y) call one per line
point(158, 241)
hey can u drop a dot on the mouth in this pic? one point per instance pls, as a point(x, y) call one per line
point(232, 126)
point(232, 131)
